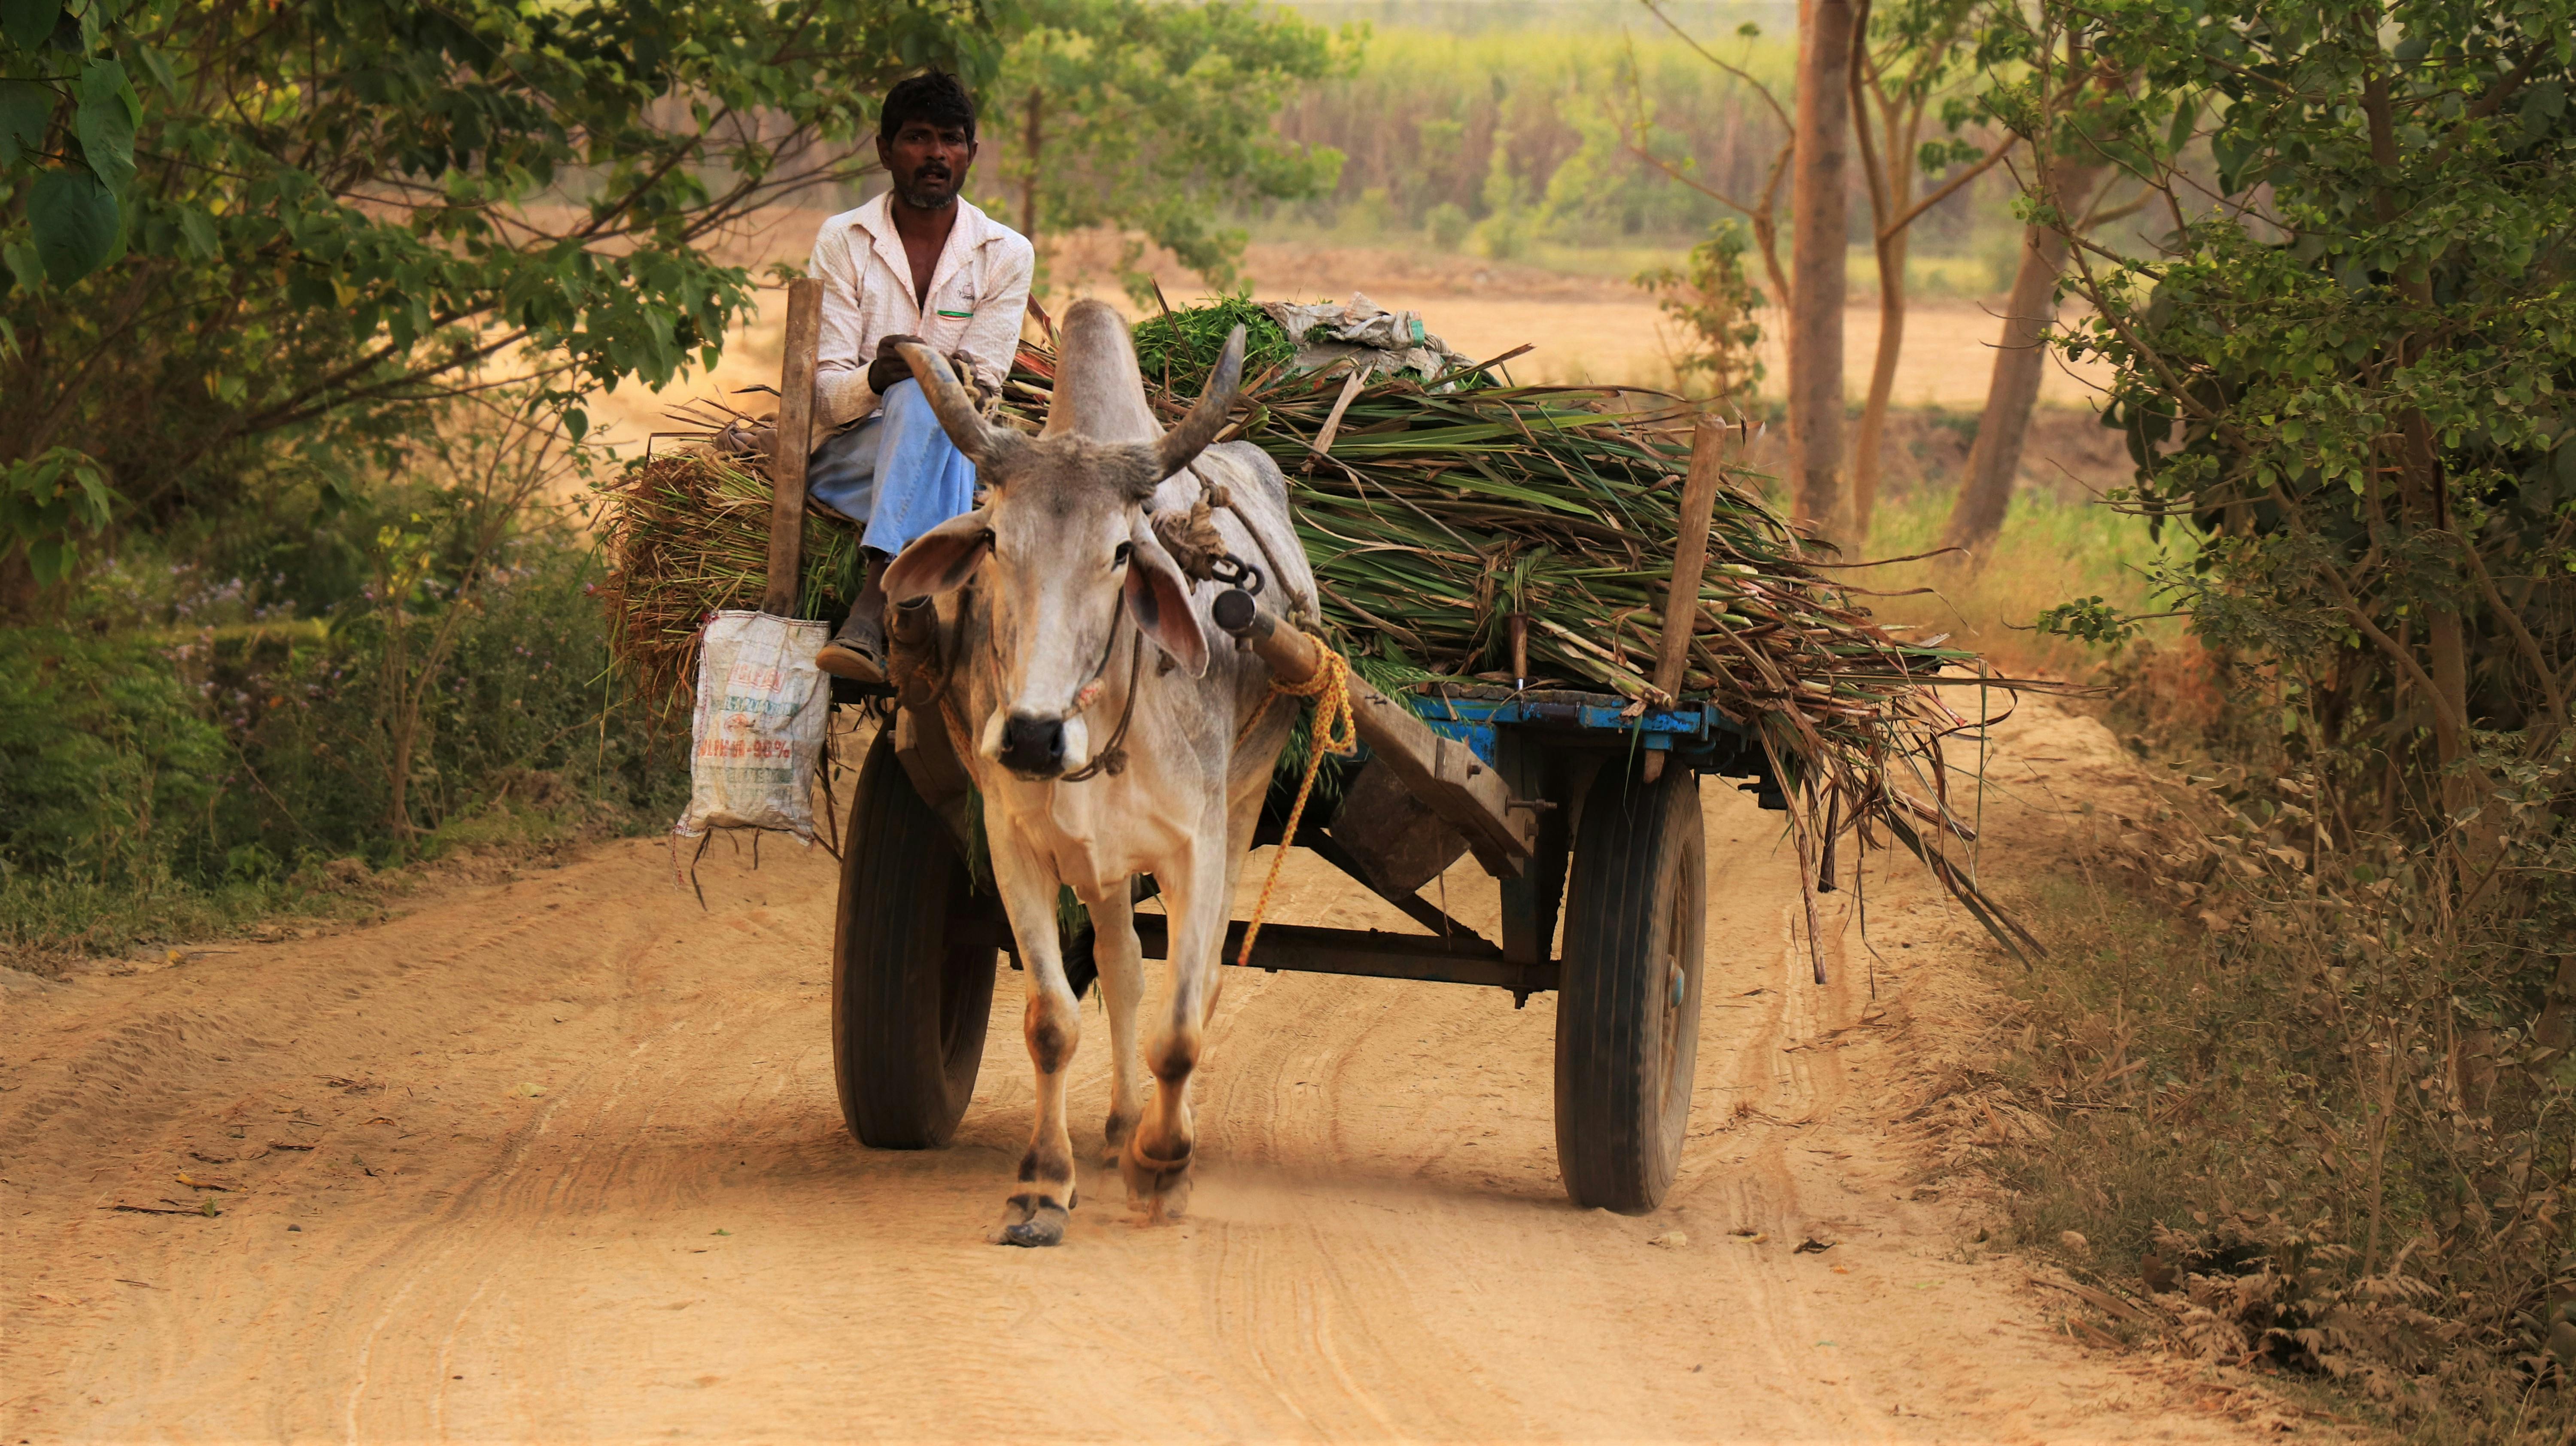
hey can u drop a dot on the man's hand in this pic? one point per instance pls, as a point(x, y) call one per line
point(744, 437)
point(890, 367)
point(966, 378)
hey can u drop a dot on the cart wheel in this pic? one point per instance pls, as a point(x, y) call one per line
point(1627, 1017)
point(912, 966)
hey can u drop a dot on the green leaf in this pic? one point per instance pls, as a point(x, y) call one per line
point(23, 266)
point(28, 22)
point(106, 122)
point(75, 222)
point(2179, 134)
point(198, 230)
point(48, 559)
point(576, 422)
point(24, 108)
point(159, 64)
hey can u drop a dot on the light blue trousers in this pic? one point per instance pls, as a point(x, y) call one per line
point(897, 472)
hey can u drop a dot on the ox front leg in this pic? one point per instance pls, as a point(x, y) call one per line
point(1159, 1155)
point(1122, 988)
point(1037, 1210)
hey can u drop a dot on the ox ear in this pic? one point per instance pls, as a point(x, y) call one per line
point(939, 560)
point(1158, 598)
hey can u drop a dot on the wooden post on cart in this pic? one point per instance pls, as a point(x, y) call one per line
point(795, 439)
point(1690, 565)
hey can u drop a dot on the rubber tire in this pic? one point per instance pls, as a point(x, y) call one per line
point(1635, 910)
point(910, 1000)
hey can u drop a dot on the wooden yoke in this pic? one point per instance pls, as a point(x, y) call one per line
point(1690, 566)
point(795, 438)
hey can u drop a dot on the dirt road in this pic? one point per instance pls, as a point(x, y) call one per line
point(558, 1158)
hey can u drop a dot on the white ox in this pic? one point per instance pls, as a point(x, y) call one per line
point(1052, 586)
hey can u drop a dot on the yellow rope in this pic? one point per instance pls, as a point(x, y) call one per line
point(1336, 731)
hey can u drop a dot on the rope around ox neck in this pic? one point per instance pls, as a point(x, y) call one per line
point(1335, 731)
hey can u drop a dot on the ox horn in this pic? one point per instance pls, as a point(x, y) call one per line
point(1182, 445)
point(965, 426)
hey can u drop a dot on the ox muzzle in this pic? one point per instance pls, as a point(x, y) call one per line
point(1031, 746)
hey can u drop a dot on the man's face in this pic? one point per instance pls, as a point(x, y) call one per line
point(928, 162)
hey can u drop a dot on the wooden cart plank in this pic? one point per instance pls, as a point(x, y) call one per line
point(1366, 953)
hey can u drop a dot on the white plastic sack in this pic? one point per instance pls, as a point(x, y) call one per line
point(1365, 335)
point(758, 730)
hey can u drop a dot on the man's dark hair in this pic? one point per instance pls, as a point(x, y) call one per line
point(934, 96)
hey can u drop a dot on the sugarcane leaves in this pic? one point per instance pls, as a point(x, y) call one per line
point(74, 218)
point(1477, 476)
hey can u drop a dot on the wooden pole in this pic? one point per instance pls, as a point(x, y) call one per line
point(795, 439)
point(1442, 772)
point(1690, 555)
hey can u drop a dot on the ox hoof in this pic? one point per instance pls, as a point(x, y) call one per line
point(1031, 1220)
point(1160, 1186)
point(1116, 1134)
point(1045, 1230)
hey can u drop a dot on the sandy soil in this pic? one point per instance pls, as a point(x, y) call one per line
point(557, 1158)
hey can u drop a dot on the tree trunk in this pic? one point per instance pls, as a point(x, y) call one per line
point(2021, 360)
point(1821, 217)
point(1882, 384)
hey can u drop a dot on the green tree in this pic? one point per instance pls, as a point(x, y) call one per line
point(2351, 363)
point(235, 231)
point(1151, 118)
point(1714, 302)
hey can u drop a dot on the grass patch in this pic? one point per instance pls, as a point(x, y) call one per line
point(2310, 1161)
point(2051, 549)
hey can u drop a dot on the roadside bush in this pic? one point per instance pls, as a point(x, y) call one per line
point(2310, 1113)
point(107, 771)
point(416, 663)
point(523, 710)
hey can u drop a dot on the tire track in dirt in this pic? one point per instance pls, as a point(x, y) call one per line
point(676, 1237)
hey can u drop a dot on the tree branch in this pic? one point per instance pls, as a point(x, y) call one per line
point(1950, 187)
point(1764, 91)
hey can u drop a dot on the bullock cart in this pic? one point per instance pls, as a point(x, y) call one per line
point(1650, 623)
point(1584, 806)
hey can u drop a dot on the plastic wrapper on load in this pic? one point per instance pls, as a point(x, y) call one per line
point(1363, 335)
point(757, 733)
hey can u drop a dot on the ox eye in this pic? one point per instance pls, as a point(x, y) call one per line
point(1119, 558)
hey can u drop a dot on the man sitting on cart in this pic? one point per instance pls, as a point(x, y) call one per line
point(917, 264)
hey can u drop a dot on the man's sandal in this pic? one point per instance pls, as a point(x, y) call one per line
point(854, 655)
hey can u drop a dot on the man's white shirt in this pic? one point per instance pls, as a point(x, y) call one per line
point(977, 295)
